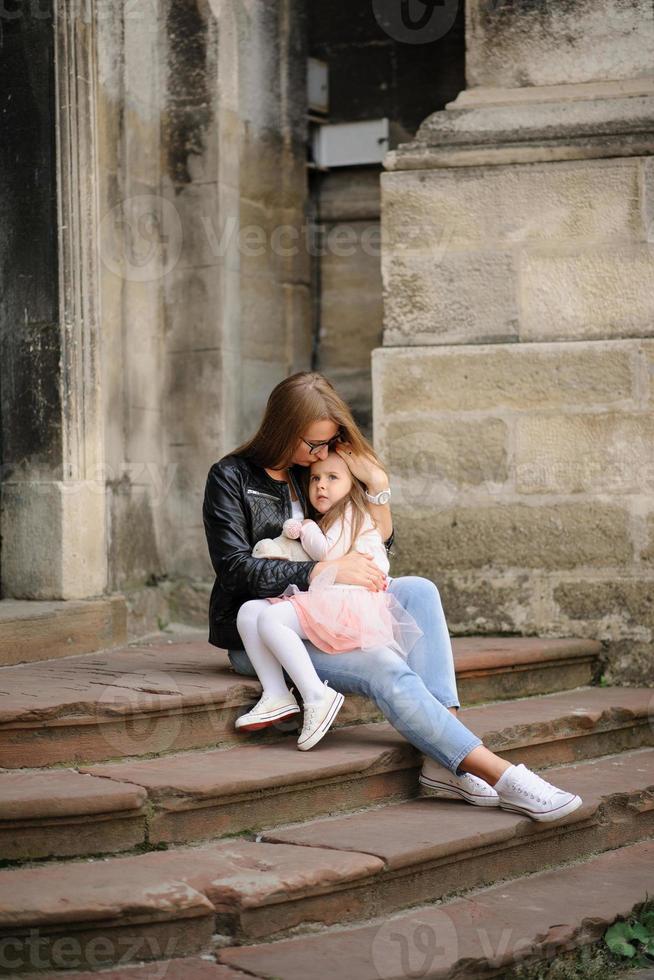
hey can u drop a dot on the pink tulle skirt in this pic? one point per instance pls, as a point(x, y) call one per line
point(341, 618)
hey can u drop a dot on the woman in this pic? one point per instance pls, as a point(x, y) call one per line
point(248, 496)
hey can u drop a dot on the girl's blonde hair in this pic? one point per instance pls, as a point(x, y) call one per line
point(293, 405)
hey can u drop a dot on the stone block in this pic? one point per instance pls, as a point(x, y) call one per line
point(646, 356)
point(521, 377)
point(351, 303)
point(511, 535)
point(591, 453)
point(431, 454)
point(205, 233)
point(529, 44)
point(468, 207)
point(53, 539)
point(627, 602)
point(587, 295)
point(263, 319)
point(647, 553)
point(193, 299)
point(449, 297)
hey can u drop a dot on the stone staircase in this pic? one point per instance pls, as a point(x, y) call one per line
point(136, 825)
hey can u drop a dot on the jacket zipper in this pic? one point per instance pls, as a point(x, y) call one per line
point(258, 493)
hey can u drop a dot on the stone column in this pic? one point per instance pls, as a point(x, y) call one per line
point(514, 391)
point(53, 502)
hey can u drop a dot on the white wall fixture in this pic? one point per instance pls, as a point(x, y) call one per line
point(349, 144)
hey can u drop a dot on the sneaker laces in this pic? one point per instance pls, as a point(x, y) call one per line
point(530, 784)
point(310, 711)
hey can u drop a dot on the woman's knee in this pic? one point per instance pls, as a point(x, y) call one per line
point(416, 588)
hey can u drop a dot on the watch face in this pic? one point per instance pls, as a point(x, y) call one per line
point(384, 497)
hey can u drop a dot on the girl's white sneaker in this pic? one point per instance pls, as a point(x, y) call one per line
point(445, 783)
point(267, 711)
point(319, 716)
point(523, 791)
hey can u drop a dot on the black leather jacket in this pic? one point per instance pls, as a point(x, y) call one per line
point(242, 504)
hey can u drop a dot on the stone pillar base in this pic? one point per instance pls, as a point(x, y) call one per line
point(53, 539)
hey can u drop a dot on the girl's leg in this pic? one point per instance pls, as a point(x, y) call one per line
point(279, 629)
point(266, 665)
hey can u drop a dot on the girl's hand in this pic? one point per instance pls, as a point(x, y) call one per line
point(355, 568)
point(363, 467)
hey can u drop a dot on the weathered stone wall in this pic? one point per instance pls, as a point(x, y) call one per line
point(544, 251)
point(349, 291)
point(513, 395)
point(524, 481)
point(205, 291)
point(540, 42)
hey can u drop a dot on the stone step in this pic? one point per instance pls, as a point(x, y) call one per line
point(425, 860)
point(65, 813)
point(183, 968)
point(219, 792)
point(33, 631)
point(336, 871)
point(207, 793)
point(529, 920)
point(171, 696)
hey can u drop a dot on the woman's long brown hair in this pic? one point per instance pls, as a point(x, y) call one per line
point(294, 405)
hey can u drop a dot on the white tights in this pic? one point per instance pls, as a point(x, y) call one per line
point(272, 637)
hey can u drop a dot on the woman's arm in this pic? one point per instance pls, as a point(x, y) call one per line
point(230, 547)
point(375, 479)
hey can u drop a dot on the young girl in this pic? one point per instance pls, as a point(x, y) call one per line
point(335, 618)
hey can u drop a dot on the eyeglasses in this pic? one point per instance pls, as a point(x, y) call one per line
point(315, 447)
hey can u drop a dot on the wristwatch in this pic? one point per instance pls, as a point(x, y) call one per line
point(381, 498)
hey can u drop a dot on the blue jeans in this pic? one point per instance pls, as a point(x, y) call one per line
point(413, 695)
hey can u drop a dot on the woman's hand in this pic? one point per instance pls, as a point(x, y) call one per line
point(363, 467)
point(355, 568)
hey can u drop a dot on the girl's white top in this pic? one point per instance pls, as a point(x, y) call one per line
point(338, 540)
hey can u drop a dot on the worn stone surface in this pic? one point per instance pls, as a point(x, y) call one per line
point(421, 831)
point(170, 884)
point(512, 536)
point(187, 968)
point(576, 42)
point(424, 302)
point(253, 770)
point(630, 602)
point(595, 294)
point(424, 451)
point(574, 903)
point(554, 204)
point(591, 453)
point(521, 377)
point(32, 631)
point(29, 795)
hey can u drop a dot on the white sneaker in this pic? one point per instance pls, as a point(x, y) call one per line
point(467, 787)
point(523, 791)
point(318, 718)
point(267, 711)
